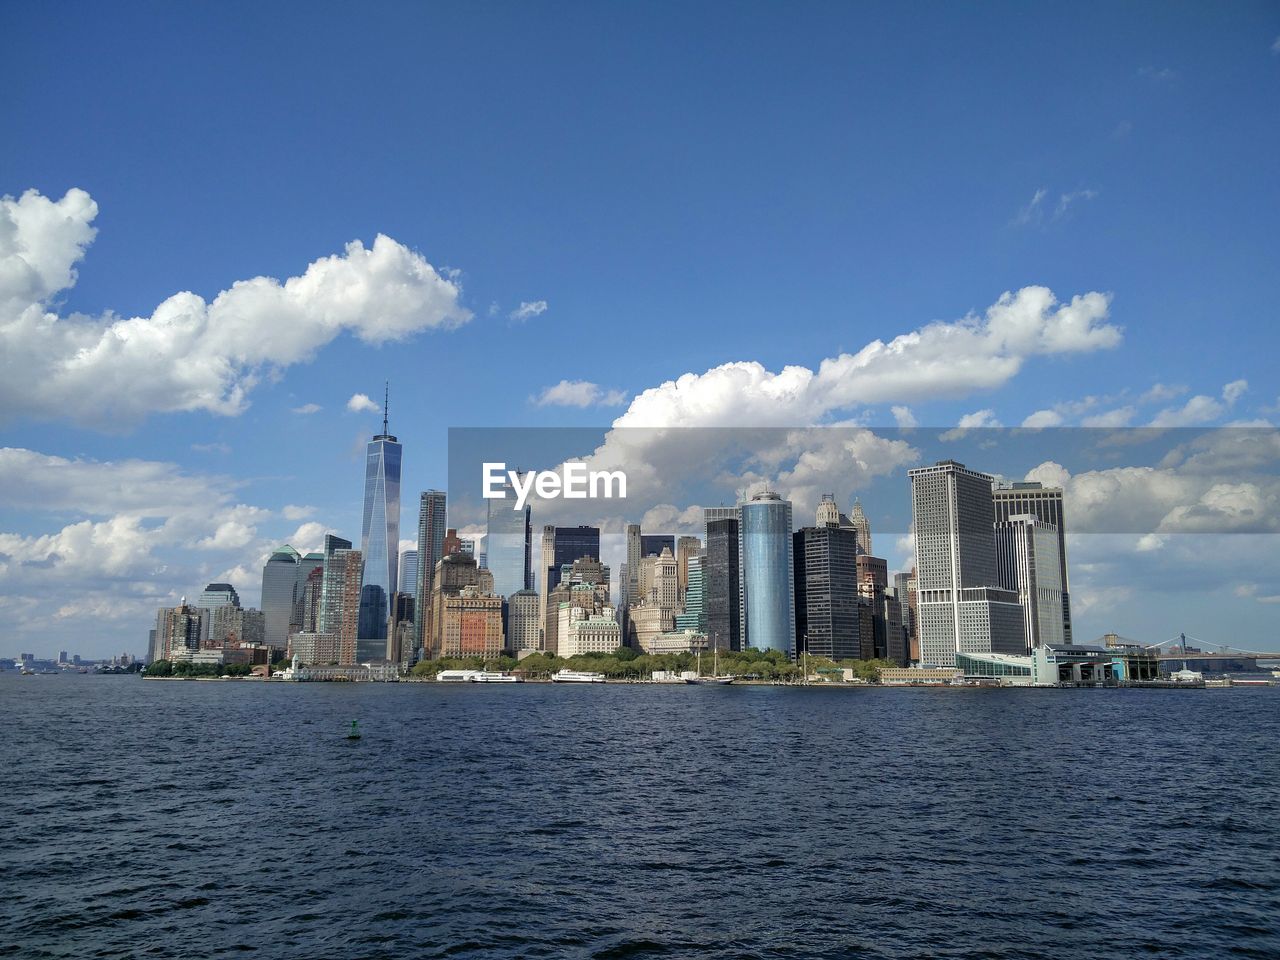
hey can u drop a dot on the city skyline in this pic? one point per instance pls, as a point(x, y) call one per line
point(196, 335)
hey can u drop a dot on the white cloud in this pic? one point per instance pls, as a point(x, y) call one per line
point(1119, 417)
point(189, 354)
point(938, 360)
point(294, 512)
point(308, 408)
point(1066, 200)
point(1275, 47)
point(1234, 390)
point(1162, 393)
point(1043, 418)
point(1033, 211)
point(579, 393)
point(528, 310)
point(903, 417)
point(360, 403)
point(1201, 409)
point(211, 448)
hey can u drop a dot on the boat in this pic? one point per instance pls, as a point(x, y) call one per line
point(576, 676)
point(715, 679)
point(485, 677)
point(455, 676)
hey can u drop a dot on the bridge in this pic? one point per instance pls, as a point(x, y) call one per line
point(1179, 648)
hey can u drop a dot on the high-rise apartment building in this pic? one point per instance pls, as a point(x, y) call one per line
point(961, 608)
point(766, 578)
point(1045, 504)
point(331, 585)
point(379, 537)
point(432, 521)
point(1028, 561)
point(720, 579)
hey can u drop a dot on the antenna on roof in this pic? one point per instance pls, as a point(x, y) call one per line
point(386, 402)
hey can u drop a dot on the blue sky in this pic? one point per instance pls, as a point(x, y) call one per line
point(681, 187)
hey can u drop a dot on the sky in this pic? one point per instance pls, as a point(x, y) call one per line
point(225, 224)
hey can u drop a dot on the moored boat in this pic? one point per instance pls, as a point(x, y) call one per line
point(576, 676)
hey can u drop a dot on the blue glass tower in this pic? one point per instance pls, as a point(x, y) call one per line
point(509, 545)
point(767, 591)
point(379, 540)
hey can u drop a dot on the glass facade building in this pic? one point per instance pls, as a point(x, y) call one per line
point(766, 585)
point(432, 521)
point(509, 546)
point(722, 611)
point(826, 585)
point(380, 535)
point(279, 583)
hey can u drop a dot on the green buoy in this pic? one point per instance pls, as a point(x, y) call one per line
point(354, 732)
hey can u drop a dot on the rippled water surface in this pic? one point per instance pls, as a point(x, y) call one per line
point(186, 819)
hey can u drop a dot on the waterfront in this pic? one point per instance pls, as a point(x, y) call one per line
point(198, 819)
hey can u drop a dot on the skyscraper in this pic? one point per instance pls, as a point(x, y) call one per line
point(1027, 556)
point(631, 582)
point(862, 525)
point(827, 619)
point(279, 581)
point(432, 521)
point(960, 607)
point(509, 545)
point(563, 545)
point(767, 588)
point(686, 547)
point(720, 583)
point(652, 544)
point(216, 595)
point(1045, 504)
point(379, 537)
point(407, 575)
point(693, 616)
point(331, 585)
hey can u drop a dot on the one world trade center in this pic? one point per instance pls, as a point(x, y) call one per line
point(379, 540)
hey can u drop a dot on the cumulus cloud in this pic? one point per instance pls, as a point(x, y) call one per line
point(528, 310)
point(944, 359)
point(579, 393)
point(903, 416)
point(1201, 409)
point(189, 354)
point(1043, 418)
point(307, 409)
point(360, 403)
point(122, 538)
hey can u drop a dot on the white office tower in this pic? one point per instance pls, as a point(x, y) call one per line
point(1027, 558)
point(1043, 503)
point(961, 607)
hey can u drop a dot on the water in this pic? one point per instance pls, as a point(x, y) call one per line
point(163, 819)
